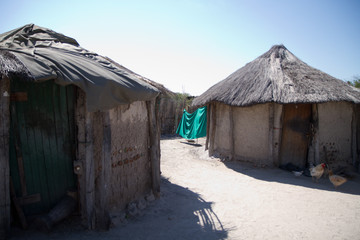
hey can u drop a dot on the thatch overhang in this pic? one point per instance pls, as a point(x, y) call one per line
point(278, 76)
point(40, 54)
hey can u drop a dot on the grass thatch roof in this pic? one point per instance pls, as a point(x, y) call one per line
point(278, 76)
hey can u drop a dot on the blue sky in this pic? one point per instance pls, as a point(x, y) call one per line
point(189, 45)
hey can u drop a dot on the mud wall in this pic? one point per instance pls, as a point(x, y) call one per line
point(222, 130)
point(130, 162)
point(251, 132)
point(335, 133)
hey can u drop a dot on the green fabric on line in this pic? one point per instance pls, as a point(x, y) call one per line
point(193, 125)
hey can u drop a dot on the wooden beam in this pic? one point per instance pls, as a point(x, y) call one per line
point(84, 165)
point(89, 168)
point(4, 156)
point(154, 140)
point(103, 179)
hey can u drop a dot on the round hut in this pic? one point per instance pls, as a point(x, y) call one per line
point(277, 110)
point(72, 121)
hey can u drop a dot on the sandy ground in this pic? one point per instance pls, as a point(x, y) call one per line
point(204, 198)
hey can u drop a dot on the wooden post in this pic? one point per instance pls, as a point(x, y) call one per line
point(154, 141)
point(207, 127)
point(4, 157)
point(353, 137)
point(84, 165)
point(315, 137)
point(103, 180)
point(271, 133)
point(277, 126)
point(231, 133)
point(212, 128)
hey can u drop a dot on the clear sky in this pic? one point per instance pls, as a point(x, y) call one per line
point(189, 45)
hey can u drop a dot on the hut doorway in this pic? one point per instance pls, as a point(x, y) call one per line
point(295, 134)
point(42, 143)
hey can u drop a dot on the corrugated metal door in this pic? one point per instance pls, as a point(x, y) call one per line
point(295, 134)
point(42, 143)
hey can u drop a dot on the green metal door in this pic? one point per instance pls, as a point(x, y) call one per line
point(42, 143)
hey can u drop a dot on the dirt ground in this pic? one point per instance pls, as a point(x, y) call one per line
point(205, 198)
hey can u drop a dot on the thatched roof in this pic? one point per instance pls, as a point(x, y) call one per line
point(39, 54)
point(278, 76)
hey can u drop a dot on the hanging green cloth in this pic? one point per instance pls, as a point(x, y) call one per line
point(193, 125)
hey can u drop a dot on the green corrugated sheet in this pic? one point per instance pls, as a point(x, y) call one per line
point(46, 126)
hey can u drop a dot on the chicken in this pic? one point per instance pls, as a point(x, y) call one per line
point(317, 171)
point(336, 180)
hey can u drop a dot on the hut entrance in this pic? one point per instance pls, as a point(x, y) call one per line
point(42, 143)
point(295, 134)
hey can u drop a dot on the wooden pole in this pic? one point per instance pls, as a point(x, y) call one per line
point(231, 133)
point(154, 140)
point(212, 128)
point(4, 156)
point(315, 137)
point(207, 127)
point(353, 137)
point(277, 126)
point(103, 180)
point(271, 133)
point(84, 165)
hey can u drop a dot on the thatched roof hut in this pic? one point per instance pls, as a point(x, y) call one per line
point(277, 110)
point(78, 123)
point(278, 76)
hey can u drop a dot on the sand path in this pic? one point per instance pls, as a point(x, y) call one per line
point(204, 198)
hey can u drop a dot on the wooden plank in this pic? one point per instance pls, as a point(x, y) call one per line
point(34, 116)
point(4, 156)
point(29, 199)
point(18, 150)
point(294, 144)
point(17, 206)
point(19, 97)
point(66, 106)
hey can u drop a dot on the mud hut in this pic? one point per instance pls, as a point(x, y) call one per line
point(277, 110)
point(72, 121)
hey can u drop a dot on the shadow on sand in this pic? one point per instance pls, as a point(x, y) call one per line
point(352, 186)
point(178, 214)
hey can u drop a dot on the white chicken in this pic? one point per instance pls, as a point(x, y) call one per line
point(317, 171)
